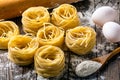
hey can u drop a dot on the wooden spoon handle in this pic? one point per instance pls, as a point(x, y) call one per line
point(113, 53)
point(103, 59)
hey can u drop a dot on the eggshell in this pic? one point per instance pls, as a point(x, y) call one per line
point(111, 31)
point(103, 15)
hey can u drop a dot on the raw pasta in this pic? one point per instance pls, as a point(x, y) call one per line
point(21, 49)
point(49, 61)
point(81, 39)
point(50, 35)
point(65, 16)
point(7, 30)
point(33, 19)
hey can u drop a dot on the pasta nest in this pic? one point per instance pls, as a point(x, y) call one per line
point(7, 29)
point(49, 61)
point(65, 16)
point(81, 39)
point(21, 49)
point(50, 35)
point(33, 19)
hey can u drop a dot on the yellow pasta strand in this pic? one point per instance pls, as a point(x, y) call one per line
point(49, 61)
point(33, 19)
point(81, 39)
point(65, 16)
point(50, 35)
point(7, 30)
point(21, 49)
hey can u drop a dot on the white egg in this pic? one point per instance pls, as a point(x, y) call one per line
point(103, 15)
point(111, 31)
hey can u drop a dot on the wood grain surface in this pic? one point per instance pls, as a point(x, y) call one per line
point(111, 71)
point(18, 6)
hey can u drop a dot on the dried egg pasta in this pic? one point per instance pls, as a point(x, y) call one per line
point(80, 40)
point(33, 19)
point(50, 35)
point(65, 16)
point(7, 30)
point(21, 49)
point(49, 61)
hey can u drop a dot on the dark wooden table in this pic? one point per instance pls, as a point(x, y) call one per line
point(111, 71)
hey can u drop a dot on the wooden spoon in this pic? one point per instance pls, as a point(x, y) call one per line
point(103, 59)
point(86, 68)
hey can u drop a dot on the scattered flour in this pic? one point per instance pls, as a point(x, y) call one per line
point(85, 19)
point(102, 77)
point(41, 78)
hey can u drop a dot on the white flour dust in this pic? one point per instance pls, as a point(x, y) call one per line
point(87, 68)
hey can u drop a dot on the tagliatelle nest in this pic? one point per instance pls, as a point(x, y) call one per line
point(81, 39)
point(65, 16)
point(49, 61)
point(33, 19)
point(21, 49)
point(50, 35)
point(7, 30)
